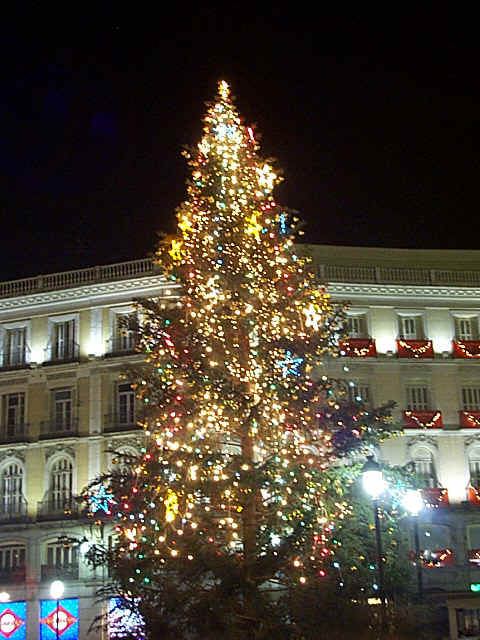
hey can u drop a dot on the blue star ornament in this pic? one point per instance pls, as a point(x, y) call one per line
point(101, 501)
point(290, 365)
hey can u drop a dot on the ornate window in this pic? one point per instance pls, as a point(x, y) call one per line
point(418, 398)
point(12, 502)
point(466, 328)
point(471, 398)
point(357, 326)
point(474, 467)
point(125, 404)
point(424, 465)
point(410, 327)
point(12, 558)
point(61, 484)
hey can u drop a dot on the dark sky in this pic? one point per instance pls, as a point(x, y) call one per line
point(377, 149)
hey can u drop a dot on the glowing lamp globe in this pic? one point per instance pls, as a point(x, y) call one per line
point(372, 478)
point(413, 502)
point(56, 589)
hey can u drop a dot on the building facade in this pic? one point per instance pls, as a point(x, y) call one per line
point(65, 339)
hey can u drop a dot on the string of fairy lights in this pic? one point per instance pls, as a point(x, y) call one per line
point(242, 427)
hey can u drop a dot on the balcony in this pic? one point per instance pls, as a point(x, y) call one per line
point(57, 508)
point(437, 558)
point(414, 348)
point(53, 429)
point(59, 572)
point(358, 348)
point(65, 352)
point(122, 344)
point(114, 422)
point(13, 509)
point(466, 349)
point(12, 359)
point(435, 497)
point(423, 419)
point(469, 419)
point(14, 433)
point(13, 575)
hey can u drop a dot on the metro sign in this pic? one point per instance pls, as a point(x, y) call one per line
point(64, 617)
point(9, 623)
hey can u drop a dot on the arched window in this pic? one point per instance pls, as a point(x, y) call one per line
point(474, 467)
point(12, 502)
point(61, 485)
point(425, 467)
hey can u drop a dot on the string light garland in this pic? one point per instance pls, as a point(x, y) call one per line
point(241, 430)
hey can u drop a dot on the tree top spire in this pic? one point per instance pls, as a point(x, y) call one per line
point(223, 89)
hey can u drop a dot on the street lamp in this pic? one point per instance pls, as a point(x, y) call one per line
point(374, 484)
point(56, 591)
point(413, 503)
point(4, 597)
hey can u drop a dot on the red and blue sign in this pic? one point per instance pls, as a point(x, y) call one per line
point(59, 619)
point(13, 620)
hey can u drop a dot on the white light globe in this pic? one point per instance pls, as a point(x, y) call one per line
point(373, 482)
point(413, 501)
point(56, 589)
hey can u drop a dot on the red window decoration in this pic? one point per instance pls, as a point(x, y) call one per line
point(435, 497)
point(423, 419)
point(469, 419)
point(359, 348)
point(437, 558)
point(415, 349)
point(466, 348)
point(474, 495)
point(474, 556)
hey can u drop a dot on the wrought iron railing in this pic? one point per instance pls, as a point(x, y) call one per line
point(59, 572)
point(122, 344)
point(14, 433)
point(57, 508)
point(56, 353)
point(58, 429)
point(117, 422)
point(13, 508)
point(15, 575)
point(17, 358)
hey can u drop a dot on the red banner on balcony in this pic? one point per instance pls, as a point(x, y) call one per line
point(474, 495)
point(435, 497)
point(438, 558)
point(466, 348)
point(474, 556)
point(415, 349)
point(359, 347)
point(470, 419)
point(423, 419)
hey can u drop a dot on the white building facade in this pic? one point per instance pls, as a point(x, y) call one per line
point(65, 339)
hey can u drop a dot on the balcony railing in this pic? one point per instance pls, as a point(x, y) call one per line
point(115, 422)
point(414, 348)
point(59, 572)
point(56, 508)
point(13, 509)
point(15, 575)
point(423, 419)
point(122, 344)
point(15, 359)
point(59, 353)
point(65, 279)
point(358, 347)
point(14, 433)
point(56, 429)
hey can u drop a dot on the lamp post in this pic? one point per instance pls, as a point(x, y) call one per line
point(413, 503)
point(374, 484)
point(56, 591)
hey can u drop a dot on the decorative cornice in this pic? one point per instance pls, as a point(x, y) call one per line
point(422, 440)
point(11, 453)
point(50, 451)
point(400, 291)
point(136, 286)
point(473, 440)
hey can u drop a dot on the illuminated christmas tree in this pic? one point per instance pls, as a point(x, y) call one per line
point(231, 506)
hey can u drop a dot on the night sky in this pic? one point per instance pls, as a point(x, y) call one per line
point(379, 149)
